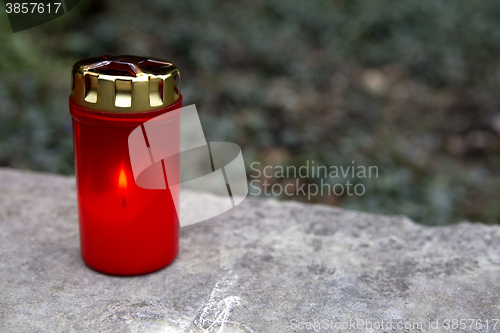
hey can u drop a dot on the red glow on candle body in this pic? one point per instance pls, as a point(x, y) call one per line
point(124, 229)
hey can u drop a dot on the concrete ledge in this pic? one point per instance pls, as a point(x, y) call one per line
point(262, 267)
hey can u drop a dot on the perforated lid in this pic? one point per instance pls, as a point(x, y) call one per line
point(124, 84)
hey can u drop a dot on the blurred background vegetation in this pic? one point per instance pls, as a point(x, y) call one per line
point(409, 86)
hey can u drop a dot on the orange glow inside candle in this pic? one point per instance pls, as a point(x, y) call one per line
point(122, 184)
point(122, 180)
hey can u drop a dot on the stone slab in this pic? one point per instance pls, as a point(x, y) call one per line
point(265, 266)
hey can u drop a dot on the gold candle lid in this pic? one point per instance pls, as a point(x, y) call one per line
point(124, 84)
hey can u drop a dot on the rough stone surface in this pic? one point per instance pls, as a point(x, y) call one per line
point(262, 267)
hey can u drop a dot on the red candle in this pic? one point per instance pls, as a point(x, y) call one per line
point(124, 229)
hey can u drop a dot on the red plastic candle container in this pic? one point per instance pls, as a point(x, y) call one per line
point(124, 229)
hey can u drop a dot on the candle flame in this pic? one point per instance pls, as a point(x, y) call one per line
point(122, 180)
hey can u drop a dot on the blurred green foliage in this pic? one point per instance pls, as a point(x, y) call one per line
point(409, 86)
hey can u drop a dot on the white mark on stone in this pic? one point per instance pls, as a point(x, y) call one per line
point(215, 313)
